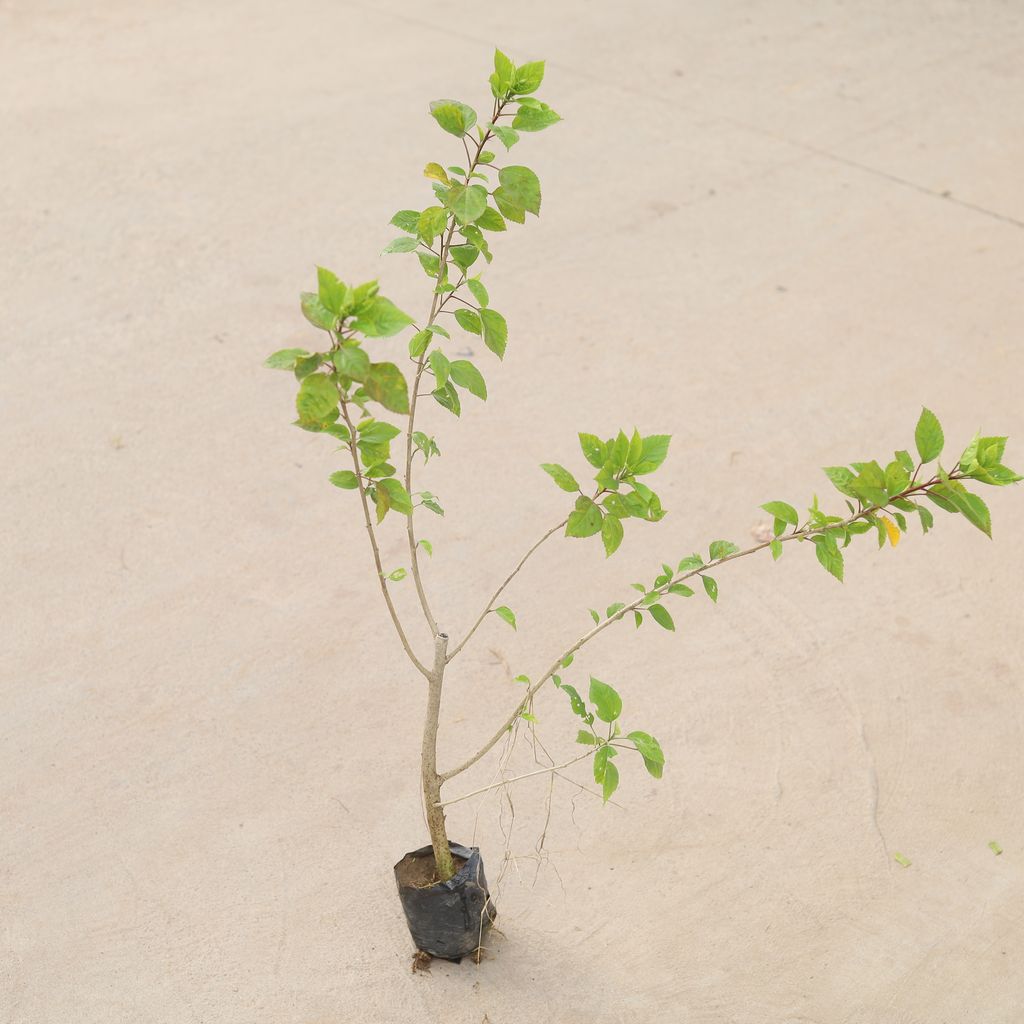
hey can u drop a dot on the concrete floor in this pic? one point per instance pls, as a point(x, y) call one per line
point(773, 230)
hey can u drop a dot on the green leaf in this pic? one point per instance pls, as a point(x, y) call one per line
point(463, 256)
point(454, 117)
point(652, 453)
point(402, 244)
point(528, 78)
point(561, 476)
point(611, 534)
point(495, 331)
point(467, 376)
point(585, 520)
point(507, 136)
point(491, 220)
point(398, 496)
point(317, 398)
point(468, 320)
point(431, 504)
point(426, 545)
point(381, 318)
point(440, 366)
point(901, 859)
point(841, 479)
point(506, 613)
point(973, 509)
point(351, 361)
point(467, 202)
point(710, 588)
point(587, 738)
point(995, 848)
point(611, 780)
point(333, 294)
point(518, 193)
point(607, 703)
point(782, 510)
point(431, 223)
point(406, 220)
point(721, 549)
point(504, 74)
point(385, 384)
point(448, 397)
point(776, 548)
point(316, 312)
point(829, 554)
point(418, 343)
point(928, 436)
point(650, 750)
point(690, 562)
point(593, 449)
point(345, 479)
point(661, 616)
point(681, 589)
point(478, 290)
point(284, 359)
point(535, 119)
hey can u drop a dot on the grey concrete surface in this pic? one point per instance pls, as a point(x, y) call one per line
point(774, 230)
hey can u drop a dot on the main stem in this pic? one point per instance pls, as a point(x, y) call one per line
point(428, 763)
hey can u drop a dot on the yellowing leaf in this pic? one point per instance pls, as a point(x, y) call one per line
point(892, 530)
point(437, 172)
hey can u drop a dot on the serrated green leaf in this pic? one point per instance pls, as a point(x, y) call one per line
point(467, 376)
point(528, 78)
point(535, 119)
point(650, 750)
point(721, 549)
point(561, 476)
point(478, 290)
point(928, 436)
point(285, 358)
point(381, 318)
point(467, 202)
point(401, 244)
point(468, 320)
point(585, 520)
point(491, 220)
point(351, 361)
point(406, 220)
point(454, 117)
point(782, 510)
point(652, 454)
point(605, 699)
point(495, 331)
point(611, 535)
point(317, 398)
point(345, 479)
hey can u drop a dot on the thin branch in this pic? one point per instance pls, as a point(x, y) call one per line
point(436, 305)
point(801, 534)
point(555, 768)
point(508, 579)
point(373, 538)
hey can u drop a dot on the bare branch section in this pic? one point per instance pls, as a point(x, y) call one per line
point(801, 534)
point(508, 579)
point(371, 533)
point(551, 769)
point(437, 304)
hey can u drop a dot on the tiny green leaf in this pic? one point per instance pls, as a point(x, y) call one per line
point(710, 587)
point(495, 331)
point(650, 750)
point(506, 613)
point(782, 510)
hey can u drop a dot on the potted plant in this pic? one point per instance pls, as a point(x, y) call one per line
point(352, 389)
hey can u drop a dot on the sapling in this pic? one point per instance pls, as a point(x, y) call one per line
point(353, 389)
